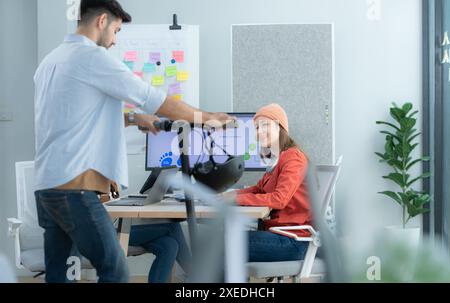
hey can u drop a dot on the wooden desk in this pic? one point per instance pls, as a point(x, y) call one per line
point(168, 210)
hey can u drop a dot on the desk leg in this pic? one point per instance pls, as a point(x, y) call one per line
point(124, 233)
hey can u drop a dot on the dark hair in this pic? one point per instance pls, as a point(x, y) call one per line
point(286, 141)
point(93, 8)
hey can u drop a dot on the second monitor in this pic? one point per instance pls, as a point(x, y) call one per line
point(162, 149)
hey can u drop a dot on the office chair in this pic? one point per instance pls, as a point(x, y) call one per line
point(325, 177)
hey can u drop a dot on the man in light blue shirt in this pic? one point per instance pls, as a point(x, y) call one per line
point(80, 128)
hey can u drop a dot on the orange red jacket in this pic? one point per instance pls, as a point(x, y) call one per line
point(284, 190)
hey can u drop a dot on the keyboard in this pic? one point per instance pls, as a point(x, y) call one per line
point(127, 202)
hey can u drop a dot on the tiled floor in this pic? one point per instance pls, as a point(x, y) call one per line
point(137, 279)
point(142, 279)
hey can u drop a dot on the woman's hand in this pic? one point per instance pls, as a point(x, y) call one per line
point(229, 196)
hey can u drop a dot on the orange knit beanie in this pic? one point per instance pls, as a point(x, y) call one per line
point(274, 112)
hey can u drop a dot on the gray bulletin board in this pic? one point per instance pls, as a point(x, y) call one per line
point(293, 65)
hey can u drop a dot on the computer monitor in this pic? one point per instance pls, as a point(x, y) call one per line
point(162, 149)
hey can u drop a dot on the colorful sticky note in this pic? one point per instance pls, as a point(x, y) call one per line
point(178, 56)
point(139, 74)
point(154, 57)
point(182, 76)
point(158, 80)
point(174, 89)
point(171, 71)
point(149, 68)
point(129, 64)
point(131, 56)
point(128, 107)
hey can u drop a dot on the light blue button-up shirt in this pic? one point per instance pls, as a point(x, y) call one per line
point(80, 89)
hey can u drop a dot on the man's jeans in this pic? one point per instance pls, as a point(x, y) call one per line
point(78, 218)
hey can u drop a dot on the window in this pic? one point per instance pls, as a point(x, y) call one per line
point(436, 109)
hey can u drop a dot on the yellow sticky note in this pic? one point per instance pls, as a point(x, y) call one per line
point(158, 80)
point(178, 97)
point(182, 76)
point(171, 71)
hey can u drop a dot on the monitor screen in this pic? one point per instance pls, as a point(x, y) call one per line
point(163, 151)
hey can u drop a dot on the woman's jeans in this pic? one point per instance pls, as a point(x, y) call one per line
point(166, 241)
point(265, 246)
point(78, 218)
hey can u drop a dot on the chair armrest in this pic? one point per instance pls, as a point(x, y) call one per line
point(299, 227)
point(284, 230)
point(13, 226)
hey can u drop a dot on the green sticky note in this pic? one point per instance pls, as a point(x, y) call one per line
point(158, 80)
point(171, 71)
point(129, 64)
point(149, 68)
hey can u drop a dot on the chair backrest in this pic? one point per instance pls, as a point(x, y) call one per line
point(326, 178)
point(335, 263)
point(30, 233)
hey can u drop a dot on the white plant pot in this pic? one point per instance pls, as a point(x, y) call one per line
point(406, 242)
point(408, 237)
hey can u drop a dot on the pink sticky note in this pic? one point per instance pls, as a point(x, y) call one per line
point(131, 56)
point(139, 74)
point(155, 57)
point(178, 56)
point(174, 89)
point(128, 105)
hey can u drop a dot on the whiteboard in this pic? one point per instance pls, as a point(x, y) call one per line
point(167, 59)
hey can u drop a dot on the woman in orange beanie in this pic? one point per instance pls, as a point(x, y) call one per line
point(282, 188)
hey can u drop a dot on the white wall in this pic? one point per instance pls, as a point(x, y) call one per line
point(18, 61)
point(376, 63)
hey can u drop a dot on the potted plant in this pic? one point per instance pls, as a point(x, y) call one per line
point(399, 146)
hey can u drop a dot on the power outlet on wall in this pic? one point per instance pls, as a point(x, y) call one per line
point(6, 116)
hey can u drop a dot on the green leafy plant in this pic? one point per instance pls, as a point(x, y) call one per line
point(397, 154)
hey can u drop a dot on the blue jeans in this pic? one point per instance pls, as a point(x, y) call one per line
point(265, 246)
point(78, 218)
point(166, 241)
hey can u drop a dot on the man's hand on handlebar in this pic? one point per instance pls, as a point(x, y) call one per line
point(145, 123)
point(214, 121)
